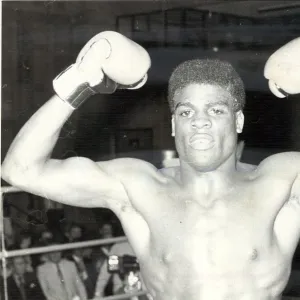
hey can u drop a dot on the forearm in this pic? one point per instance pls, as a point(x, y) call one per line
point(34, 143)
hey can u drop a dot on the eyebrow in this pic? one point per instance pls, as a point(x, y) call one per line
point(179, 104)
point(221, 103)
point(210, 104)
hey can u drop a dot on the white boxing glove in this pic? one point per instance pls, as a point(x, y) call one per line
point(109, 61)
point(283, 70)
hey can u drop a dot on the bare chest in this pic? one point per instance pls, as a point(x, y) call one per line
point(212, 238)
point(230, 238)
point(236, 226)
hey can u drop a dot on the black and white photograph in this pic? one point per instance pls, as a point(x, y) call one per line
point(150, 150)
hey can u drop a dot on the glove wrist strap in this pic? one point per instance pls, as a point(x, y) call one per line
point(70, 87)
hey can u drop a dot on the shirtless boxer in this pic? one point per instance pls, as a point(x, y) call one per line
point(202, 230)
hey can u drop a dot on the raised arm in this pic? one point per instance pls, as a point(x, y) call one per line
point(282, 70)
point(76, 181)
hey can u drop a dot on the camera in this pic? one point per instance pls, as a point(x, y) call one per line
point(122, 264)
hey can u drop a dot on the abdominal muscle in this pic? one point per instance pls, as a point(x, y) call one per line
point(185, 273)
point(239, 286)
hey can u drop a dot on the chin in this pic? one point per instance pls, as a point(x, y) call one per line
point(204, 168)
point(201, 162)
point(205, 160)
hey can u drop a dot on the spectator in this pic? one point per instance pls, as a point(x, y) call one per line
point(9, 235)
point(46, 236)
point(106, 232)
point(25, 242)
point(74, 233)
point(8, 269)
point(22, 285)
point(59, 279)
point(86, 268)
point(118, 249)
point(9, 241)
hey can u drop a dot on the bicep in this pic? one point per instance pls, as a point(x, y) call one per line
point(284, 165)
point(75, 181)
point(287, 223)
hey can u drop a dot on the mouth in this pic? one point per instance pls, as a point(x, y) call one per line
point(201, 141)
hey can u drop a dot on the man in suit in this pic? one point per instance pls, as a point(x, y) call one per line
point(60, 280)
point(118, 280)
point(22, 285)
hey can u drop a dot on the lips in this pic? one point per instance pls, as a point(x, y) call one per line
point(201, 137)
point(201, 141)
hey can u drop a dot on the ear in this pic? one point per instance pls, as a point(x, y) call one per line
point(239, 121)
point(173, 126)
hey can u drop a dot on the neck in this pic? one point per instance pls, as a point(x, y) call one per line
point(208, 183)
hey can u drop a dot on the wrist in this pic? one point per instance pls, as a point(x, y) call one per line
point(70, 87)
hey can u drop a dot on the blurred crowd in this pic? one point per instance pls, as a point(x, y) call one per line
point(80, 273)
point(76, 274)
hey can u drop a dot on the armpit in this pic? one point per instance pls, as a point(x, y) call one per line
point(295, 192)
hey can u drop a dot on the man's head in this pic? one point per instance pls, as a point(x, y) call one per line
point(46, 235)
point(55, 256)
point(106, 231)
point(206, 99)
point(18, 264)
point(25, 240)
point(207, 71)
point(75, 232)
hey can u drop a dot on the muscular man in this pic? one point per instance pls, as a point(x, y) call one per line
point(204, 229)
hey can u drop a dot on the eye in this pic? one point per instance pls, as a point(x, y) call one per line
point(185, 113)
point(217, 111)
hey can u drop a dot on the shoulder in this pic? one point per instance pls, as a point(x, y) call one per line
point(125, 167)
point(46, 266)
point(126, 164)
point(285, 165)
point(43, 266)
point(170, 172)
point(68, 263)
point(245, 167)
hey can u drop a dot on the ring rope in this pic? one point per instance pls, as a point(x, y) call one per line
point(10, 189)
point(4, 254)
point(51, 248)
point(36, 250)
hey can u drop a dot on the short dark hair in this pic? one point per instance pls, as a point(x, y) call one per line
point(207, 71)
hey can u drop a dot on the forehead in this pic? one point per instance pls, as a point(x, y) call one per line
point(203, 93)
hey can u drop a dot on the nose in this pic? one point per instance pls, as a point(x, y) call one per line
point(200, 122)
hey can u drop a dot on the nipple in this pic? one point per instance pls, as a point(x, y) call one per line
point(254, 254)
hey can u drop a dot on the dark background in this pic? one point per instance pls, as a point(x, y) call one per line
point(41, 38)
